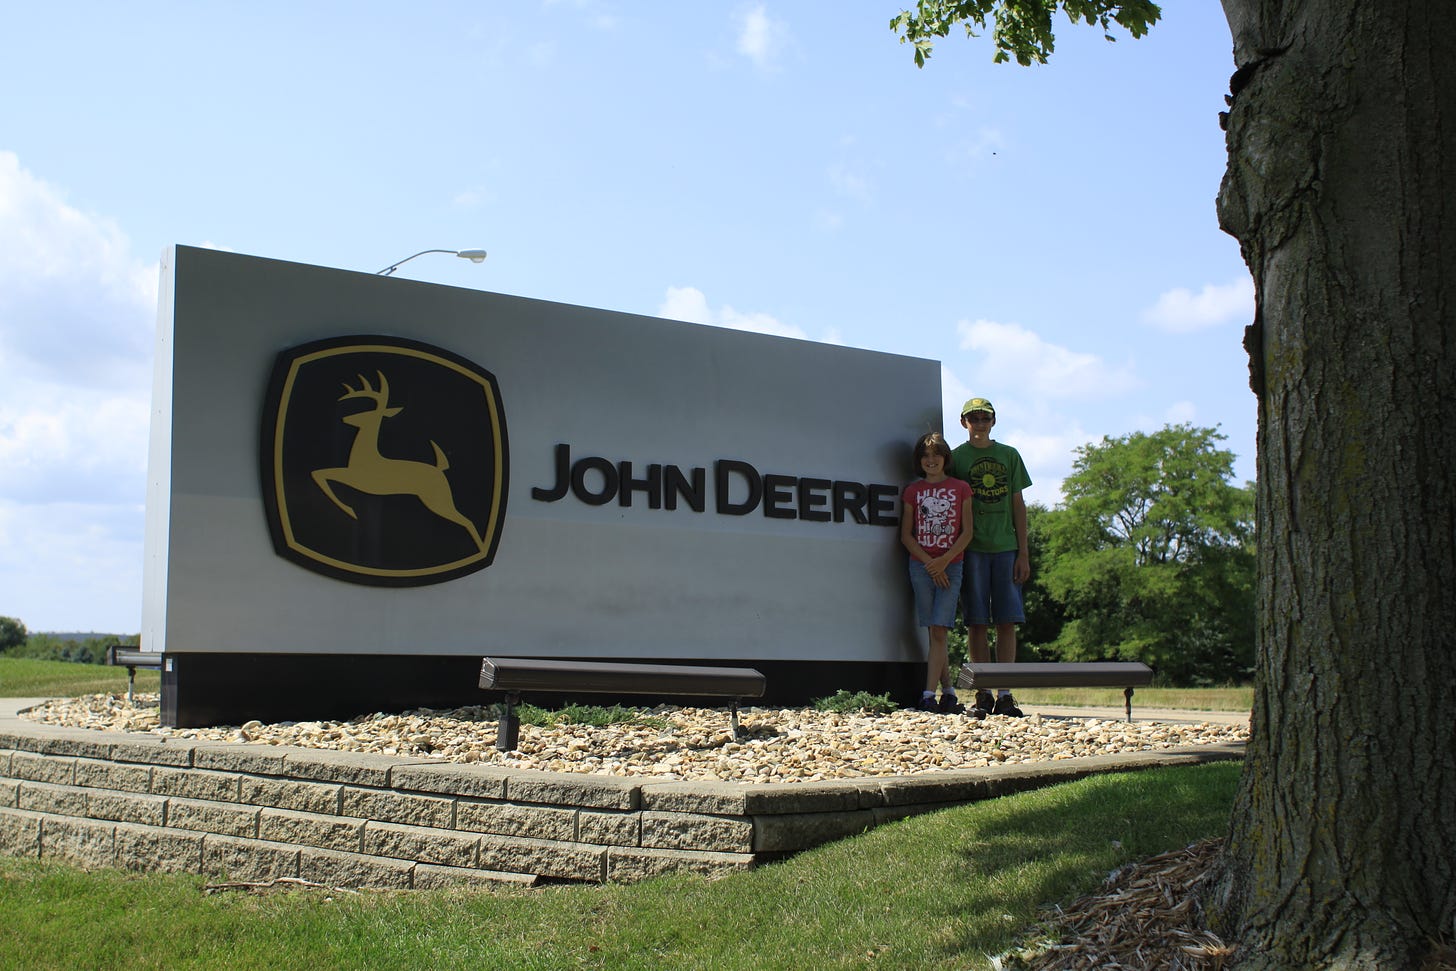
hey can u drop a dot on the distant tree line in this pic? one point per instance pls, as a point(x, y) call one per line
point(16, 641)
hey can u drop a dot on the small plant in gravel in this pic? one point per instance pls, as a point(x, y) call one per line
point(844, 702)
point(593, 715)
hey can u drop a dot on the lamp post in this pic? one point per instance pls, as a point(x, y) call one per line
point(473, 255)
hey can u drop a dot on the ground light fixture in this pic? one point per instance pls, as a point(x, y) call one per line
point(473, 255)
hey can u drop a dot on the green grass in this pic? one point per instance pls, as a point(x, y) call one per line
point(27, 678)
point(945, 889)
point(942, 890)
point(595, 715)
point(1229, 698)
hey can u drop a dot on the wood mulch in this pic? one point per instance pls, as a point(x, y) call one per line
point(1145, 916)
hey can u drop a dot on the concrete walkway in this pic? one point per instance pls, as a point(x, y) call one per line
point(1140, 713)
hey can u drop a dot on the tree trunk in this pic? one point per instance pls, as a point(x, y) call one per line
point(1341, 189)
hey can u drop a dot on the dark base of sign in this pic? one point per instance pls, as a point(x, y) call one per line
point(201, 690)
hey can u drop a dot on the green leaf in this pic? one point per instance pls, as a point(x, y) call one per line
point(1020, 28)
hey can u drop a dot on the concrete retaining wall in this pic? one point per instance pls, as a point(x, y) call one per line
point(252, 812)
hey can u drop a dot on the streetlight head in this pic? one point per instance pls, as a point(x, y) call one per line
point(473, 255)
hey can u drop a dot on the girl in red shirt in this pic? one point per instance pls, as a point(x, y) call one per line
point(935, 527)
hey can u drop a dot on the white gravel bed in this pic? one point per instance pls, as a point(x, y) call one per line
point(780, 744)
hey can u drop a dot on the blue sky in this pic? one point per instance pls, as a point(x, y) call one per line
point(1047, 233)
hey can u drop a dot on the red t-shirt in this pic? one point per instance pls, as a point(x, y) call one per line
point(937, 508)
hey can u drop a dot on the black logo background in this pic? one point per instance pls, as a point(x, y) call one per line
point(396, 540)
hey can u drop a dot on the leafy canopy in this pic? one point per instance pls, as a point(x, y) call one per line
point(1021, 28)
point(1150, 557)
point(1166, 496)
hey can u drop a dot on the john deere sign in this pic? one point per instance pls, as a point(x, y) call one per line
point(348, 467)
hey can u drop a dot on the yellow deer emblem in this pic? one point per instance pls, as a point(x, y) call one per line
point(372, 473)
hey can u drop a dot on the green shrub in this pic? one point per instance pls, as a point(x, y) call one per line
point(860, 701)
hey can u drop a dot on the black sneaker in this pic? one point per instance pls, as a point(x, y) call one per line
point(927, 703)
point(1006, 705)
point(984, 702)
point(950, 704)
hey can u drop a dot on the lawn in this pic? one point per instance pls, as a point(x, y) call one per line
point(1225, 698)
point(26, 678)
point(944, 890)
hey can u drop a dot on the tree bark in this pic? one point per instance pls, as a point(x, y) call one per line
point(1341, 189)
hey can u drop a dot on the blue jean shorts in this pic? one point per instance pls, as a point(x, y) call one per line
point(989, 595)
point(934, 606)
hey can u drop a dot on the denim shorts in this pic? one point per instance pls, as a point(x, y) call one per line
point(989, 595)
point(934, 606)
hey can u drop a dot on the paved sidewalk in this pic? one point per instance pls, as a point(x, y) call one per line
point(1140, 713)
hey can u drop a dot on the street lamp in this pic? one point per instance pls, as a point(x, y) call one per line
point(473, 255)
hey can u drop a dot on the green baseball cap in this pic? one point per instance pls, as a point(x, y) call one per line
point(978, 404)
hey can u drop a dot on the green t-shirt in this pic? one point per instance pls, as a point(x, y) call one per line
point(996, 473)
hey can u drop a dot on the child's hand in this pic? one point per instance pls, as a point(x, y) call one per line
point(936, 569)
point(1021, 569)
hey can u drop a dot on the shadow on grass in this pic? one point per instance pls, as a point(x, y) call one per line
point(946, 889)
point(1066, 843)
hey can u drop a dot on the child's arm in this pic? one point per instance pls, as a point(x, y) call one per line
point(961, 542)
point(907, 534)
point(935, 566)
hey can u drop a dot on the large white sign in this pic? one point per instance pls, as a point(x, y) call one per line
point(348, 463)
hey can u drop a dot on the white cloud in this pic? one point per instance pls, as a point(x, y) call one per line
point(760, 38)
point(75, 306)
point(685, 303)
point(1010, 356)
point(77, 312)
point(953, 394)
point(849, 184)
point(828, 220)
point(984, 142)
point(72, 566)
point(72, 444)
point(541, 54)
point(1048, 456)
point(1045, 395)
point(595, 14)
point(473, 198)
point(1045, 439)
point(1181, 413)
point(690, 304)
point(1181, 311)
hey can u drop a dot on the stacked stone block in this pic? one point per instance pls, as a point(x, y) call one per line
point(256, 813)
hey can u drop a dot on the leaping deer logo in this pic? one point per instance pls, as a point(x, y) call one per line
point(376, 475)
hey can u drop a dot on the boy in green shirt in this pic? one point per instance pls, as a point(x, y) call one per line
point(997, 562)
